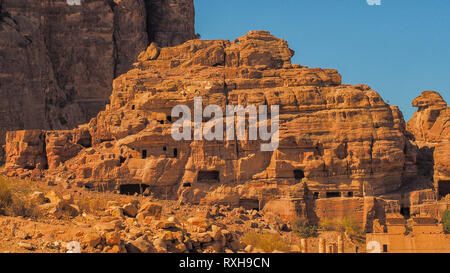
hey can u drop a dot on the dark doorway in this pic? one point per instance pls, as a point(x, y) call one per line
point(316, 195)
point(175, 153)
point(299, 174)
point(169, 118)
point(208, 177)
point(121, 160)
point(443, 188)
point(164, 148)
point(350, 194)
point(144, 154)
point(249, 204)
point(385, 248)
point(333, 194)
point(85, 141)
point(132, 189)
point(406, 212)
point(133, 107)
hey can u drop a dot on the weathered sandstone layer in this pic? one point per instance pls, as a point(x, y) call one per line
point(430, 128)
point(340, 145)
point(58, 58)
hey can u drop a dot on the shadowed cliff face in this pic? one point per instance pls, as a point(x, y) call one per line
point(58, 58)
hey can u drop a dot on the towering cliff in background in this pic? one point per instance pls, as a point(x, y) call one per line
point(58, 58)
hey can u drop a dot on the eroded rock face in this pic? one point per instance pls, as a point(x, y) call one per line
point(336, 140)
point(430, 129)
point(430, 123)
point(26, 149)
point(58, 58)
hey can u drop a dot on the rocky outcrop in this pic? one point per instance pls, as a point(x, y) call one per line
point(58, 58)
point(429, 125)
point(336, 140)
point(430, 130)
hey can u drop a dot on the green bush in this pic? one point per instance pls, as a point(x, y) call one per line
point(346, 224)
point(267, 241)
point(302, 227)
point(349, 226)
point(328, 224)
point(446, 221)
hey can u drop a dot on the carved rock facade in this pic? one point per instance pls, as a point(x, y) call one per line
point(341, 144)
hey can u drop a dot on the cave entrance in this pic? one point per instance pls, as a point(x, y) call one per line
point(333, 194)
point(86, 141)
point(299, 174)
point(208, 177)
point(406, 212)
point(249, 204)
point(132, 189)
point(144, 154)
point(443, 188)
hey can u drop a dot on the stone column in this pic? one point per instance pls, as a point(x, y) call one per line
point(322, 245)
point(340, 244)
point(304, 245)
point(330, 248)
point(335, 248)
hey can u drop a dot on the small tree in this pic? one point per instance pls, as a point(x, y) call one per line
point(446, 221)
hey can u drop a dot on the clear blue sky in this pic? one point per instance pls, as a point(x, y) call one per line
point(399, 48)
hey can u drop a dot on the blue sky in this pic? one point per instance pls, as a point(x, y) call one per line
point(399, 48)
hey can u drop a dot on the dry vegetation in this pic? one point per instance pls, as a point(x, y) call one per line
point(14, 199)
point(446, 221)
point(267, 241)
point(345, 225)
point(304, 229)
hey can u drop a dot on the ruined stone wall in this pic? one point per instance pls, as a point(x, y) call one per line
point(426, 239)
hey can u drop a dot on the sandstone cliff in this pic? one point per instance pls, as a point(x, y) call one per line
point(58, 58)
point(343, 151)
point(430, 129)
point(335, 139)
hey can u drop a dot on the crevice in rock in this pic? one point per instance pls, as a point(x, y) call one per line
point(148, 8)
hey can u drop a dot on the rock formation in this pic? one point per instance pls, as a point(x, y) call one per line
point(336, 140)
point(430, 128)
point(58, 58)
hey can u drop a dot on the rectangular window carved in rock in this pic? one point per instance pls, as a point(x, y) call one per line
point(299, 174)
point(333, 194)
point(208, 177)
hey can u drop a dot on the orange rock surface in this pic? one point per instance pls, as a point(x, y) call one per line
point(336, 140)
